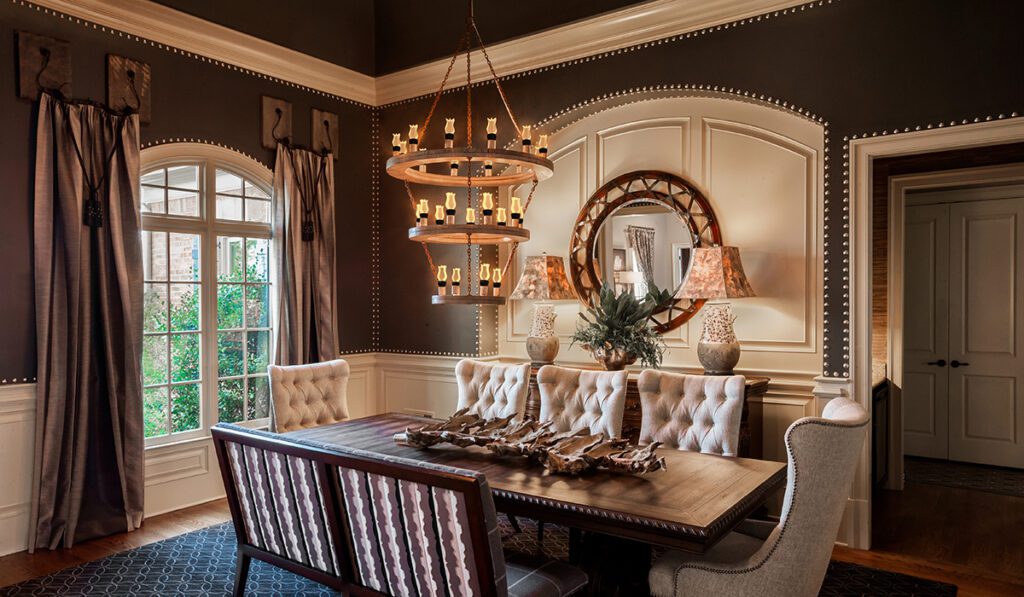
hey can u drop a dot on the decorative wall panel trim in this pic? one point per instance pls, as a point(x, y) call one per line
point(613, 33)
point(163, 27)
point(170, 463)
point(17, 403)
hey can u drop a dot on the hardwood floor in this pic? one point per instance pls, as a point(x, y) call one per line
point(979, 571)
point(22, 566)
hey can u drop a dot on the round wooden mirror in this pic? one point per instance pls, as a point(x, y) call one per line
point(637, 231)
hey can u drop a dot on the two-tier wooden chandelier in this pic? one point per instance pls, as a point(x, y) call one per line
point(484, 220)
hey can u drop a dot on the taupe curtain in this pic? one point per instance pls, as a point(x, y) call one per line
point(304, 239)
point(89, 468)
point(642, 241)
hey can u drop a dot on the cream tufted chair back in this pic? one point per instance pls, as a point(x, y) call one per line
point(575, 399)
point(309, 395)
point(696, 413)
point(492, 390)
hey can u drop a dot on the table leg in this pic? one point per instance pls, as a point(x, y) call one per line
point(615, 566)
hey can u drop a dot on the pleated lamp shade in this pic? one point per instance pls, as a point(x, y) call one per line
point(543, 279)
point(716, 273)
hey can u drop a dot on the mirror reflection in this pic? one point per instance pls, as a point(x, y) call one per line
point(641, 244)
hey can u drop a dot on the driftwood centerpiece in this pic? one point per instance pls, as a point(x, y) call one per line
point(570, 453)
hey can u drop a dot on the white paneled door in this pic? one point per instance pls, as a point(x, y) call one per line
point(926, 331)
point(963, 334)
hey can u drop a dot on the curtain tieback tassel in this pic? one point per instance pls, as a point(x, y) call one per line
point(93, 211)
point(307, 231)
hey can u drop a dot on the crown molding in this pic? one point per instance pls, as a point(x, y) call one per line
point(628, 27)
point(182, 31)
point(639, 24)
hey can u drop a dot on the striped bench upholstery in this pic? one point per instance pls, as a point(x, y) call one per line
point(371, 524)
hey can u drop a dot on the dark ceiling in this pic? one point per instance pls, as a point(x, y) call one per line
point(383, 36)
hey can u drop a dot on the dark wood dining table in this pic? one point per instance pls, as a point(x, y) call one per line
point(690, 505)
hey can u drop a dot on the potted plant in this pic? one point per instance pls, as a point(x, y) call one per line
point(616, 330)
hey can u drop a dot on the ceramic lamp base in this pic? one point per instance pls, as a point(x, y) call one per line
point(542, 351)
point(718, 358)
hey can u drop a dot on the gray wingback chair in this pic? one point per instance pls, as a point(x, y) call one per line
point(491, 390)
point(696, 413)
point(308, 395)
point(574, 399)
point(789, 558)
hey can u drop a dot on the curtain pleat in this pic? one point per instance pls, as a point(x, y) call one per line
point(307, 323)
point(89, 460)
point(642, 241)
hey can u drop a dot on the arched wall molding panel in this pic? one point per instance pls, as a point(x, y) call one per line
point(762, 169)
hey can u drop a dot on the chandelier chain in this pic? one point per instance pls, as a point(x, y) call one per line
point(515, 246)
point(426, 249)
point(463, 41)
point(494, 76)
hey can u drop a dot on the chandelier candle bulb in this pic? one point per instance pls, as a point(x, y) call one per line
point(487, 206)
point(527, 138)
point(442, 280)
point(542, 146)
point(485, 279)
point(454, 167)
point(501, 217)
point(456, 281)
point(403, 148)
point(449, 133)
point(449, 208)
point(439, 214)
point(423, 211)
point(414, 136)
point(396, 144)
point(516, 209)
point(470, 215)
point(496, 281)
point(488, 168)
point(492, 133)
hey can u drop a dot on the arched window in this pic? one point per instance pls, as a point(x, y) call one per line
point(207, 320)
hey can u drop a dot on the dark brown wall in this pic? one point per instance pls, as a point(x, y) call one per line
point(414, 32)
point(863, 65)
point(191, 99)
point(338, 31)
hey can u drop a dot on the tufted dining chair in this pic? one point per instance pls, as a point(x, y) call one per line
point(574, 399)
point(308, 395)
point(696, 413)
point(788, 558)
point(491, 390)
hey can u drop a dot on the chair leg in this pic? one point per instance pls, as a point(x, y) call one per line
point(540, 537)
point(241, 573)
point(575, 543)
point(515, 523)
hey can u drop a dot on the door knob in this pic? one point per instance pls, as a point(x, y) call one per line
point(938, 363)
point(955, 363)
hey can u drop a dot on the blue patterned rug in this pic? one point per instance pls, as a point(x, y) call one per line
point(202, 563)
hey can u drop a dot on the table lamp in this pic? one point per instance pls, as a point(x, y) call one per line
point(544, 280)
point(717, 273)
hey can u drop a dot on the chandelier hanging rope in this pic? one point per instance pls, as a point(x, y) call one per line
point(486, 221)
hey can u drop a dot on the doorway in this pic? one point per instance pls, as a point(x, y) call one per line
point(963, 370)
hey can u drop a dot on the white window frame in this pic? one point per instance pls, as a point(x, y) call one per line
point(208, 227)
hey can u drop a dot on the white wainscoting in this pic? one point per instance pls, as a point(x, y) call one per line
point(17, 438)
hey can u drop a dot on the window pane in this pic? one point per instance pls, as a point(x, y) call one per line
point(182, 203)
point(229, 306)
point(156, 177)
point(228, 183)
point(184, 256)
point(230, 353)
point(154, 411)
point(154, 360)
point(259, 398)
point(185, 357)
point(257, 259)
point(184, 408)
point(183, 177)
point(152, 199)
point(257, 210)
point(230, 259)
point(252, 190)
point(257, 302)
point(154, 255)
point(229, 208)
point(229, 400)
point(258, 351)
point(185, 307)
point(154, 308)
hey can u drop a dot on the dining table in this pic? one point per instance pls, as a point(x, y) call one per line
point(689, 505)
